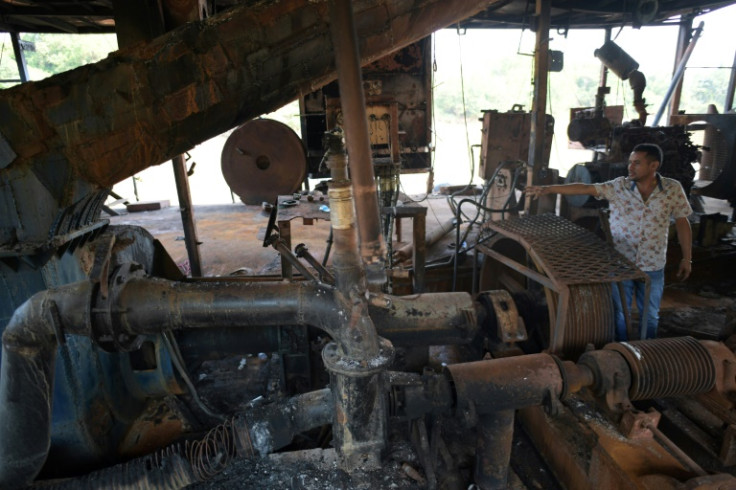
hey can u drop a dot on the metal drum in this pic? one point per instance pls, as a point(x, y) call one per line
point(263, 159)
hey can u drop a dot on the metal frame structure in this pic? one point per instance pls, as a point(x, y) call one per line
point(565, 255)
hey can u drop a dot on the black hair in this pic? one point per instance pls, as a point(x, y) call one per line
point(651, 150)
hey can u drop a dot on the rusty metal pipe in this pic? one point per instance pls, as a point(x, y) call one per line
point(148, 305)
point(538, 127)
point(346, 258)
point(679, 72)
point(493, 449)
point(302, 252)
point(144, 305)
point(349, 272)
point(506, 384)
point(356, 382)
point(490, 391)
point(425, 319)
point(275, 425)
point(186, 208)
point(352, 100)
point(681, 455)
point(27, 377)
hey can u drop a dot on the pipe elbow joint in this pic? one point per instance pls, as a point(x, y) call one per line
point(30, 327)
point(27, 377)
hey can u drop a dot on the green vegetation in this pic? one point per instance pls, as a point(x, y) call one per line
point(53, 53)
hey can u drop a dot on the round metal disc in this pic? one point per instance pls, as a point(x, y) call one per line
point(263, 159)
point(578, 174)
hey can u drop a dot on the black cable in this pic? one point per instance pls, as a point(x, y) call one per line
point(484, 193)
point(178, 362)
point(480, 207)
point(328, 249)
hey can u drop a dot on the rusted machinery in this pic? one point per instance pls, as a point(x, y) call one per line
point(262, 160)
point(117, 372)
point(613, 140)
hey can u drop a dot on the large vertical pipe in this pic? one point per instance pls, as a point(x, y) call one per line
point(683, 38)
point(360, 408)
point(493, 450)
point(187, 215)
point(359, 427)
point(345, 258)
point(539, 102)
point(352, 101)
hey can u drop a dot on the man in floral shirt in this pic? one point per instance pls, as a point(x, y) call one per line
point(641, 206)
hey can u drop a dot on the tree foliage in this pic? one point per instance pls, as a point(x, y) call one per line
point(54, 53)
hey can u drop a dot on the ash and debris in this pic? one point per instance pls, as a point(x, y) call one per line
point(709, 312)
point(314, 469)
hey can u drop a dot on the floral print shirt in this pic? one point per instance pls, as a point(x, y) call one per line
point(639, 228)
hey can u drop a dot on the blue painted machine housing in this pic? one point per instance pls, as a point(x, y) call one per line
point(97, 395)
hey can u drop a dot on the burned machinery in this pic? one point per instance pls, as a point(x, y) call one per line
point(112, 360)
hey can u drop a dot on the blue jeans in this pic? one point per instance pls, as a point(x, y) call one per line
point(656, 281)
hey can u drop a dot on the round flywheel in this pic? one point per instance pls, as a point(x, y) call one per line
point(263, 159)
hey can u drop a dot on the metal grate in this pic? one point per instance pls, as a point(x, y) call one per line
point(568, 253)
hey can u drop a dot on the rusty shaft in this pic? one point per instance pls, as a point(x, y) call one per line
point(352, 100)
point(346, 259)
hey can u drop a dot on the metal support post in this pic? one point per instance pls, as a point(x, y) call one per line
point(20, 59)
point(536, 161)
point(352, 101)
point(683, 38)
point(493, 450)
point(731, 87)
point(187, 215)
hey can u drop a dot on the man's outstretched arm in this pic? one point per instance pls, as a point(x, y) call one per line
point(564, 189)
point(685, 237)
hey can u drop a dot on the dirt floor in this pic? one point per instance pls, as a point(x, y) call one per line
point(231, 235)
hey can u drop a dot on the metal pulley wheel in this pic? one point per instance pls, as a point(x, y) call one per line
point(263, 159)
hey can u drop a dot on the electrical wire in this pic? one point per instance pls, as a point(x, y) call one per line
point(481, 208)
point(451, 197)
point(465, 109)
point(179, 365)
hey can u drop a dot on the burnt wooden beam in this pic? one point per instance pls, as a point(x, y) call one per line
point(146, 104)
